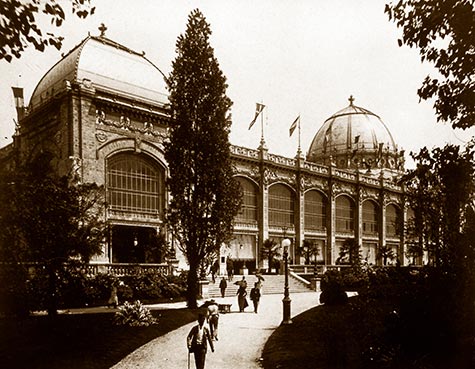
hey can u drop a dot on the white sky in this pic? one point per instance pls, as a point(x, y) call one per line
point(297, 57)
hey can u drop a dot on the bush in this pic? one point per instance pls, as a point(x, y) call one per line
point(134, 315)
point(333, 292)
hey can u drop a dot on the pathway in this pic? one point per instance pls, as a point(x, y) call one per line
point(242, 337)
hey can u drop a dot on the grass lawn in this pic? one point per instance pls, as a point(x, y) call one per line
point(336, 336)
point(80, 340)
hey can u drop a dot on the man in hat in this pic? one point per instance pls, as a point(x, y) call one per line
point(197, 341)
point(213, 318)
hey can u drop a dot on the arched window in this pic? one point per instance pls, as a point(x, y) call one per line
point(281, 206)
point(135, 184)
point(315, 211)
point(393, 221)
point(370, 218)
point(345, 214)
point(248, 212)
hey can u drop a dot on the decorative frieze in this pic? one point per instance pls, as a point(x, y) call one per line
point(244, 151)
point(125, 123)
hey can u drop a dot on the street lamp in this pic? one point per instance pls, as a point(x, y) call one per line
point(286, 301)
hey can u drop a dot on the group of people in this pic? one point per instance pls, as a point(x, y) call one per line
point(255, 294)
point(200, 336)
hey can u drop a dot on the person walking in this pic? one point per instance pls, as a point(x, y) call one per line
point(213, 319)
point(255, 296)
point(242, 293)
point(197, 341)
point(230, 269)
point(222, 286)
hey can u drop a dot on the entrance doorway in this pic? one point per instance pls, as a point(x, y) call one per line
point(137, 245)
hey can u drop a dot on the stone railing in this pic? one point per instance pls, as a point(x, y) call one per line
point(124, 269)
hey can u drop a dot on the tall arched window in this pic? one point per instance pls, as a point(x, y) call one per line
point(345, 214)
point(393, 221)
point(135, 184)
point(370, 218)
point(315, 211)
point(281, 206)
point(248, 212)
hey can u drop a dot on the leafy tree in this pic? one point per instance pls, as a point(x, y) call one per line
point(19, 28)
point(48, 220)
point(308, 250)
point(205, 197)
point(444, 33)
point(439, 191)
point(270, 251)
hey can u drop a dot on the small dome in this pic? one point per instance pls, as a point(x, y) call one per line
point(110, 67)
point(355, 138)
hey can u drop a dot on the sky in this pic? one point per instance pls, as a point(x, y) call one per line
point(297, 57)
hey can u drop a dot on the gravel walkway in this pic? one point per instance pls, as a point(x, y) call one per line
point(242, 337)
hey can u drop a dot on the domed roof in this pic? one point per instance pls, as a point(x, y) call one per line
point(110, 67)
point(354, 138)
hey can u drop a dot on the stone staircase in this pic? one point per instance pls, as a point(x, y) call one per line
point(273, 284)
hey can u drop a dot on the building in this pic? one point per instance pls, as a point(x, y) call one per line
point(101, 112)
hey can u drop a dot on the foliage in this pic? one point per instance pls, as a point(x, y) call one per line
point(439, 191)
point(19, 27)
point(134, 315)
point(386, 253)
point(333, 291)
point(205, 197)
point(270, 251)
point(49, 220)
point(350, 253)
point(443, 31)
point(308, 250)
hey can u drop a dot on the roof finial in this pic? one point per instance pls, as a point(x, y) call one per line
point(103, 30)
point(351, 99)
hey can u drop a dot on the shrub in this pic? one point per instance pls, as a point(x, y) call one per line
point(134, 315)
point(333, 292)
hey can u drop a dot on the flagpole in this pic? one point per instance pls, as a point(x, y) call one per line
point(262, 123)
point(298, 150)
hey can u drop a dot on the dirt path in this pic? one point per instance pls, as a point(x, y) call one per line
point(242, 337)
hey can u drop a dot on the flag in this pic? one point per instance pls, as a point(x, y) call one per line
point(259, 109)
point(18, 96)
point(294, 125)
point(380, 150)
point(357, 139)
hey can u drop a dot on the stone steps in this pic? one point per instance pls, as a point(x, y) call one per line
point(273, 284)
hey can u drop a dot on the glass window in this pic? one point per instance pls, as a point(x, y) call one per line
point(392, 221)
point(248, 212)
point(315, 211)
point(135, 184)
point(281, 206)
point(345, 214)
point(370, 218)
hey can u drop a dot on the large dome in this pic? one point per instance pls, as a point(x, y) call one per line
point(355, 138)
point(110, 67)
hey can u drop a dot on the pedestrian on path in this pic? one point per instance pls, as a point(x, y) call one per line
point(222, 286)
point(255, 296)
point(197, 341)
point(213, 319)
point(242, 301)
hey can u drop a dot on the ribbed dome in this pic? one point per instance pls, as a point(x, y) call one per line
point(110, 67)
point(355, 138)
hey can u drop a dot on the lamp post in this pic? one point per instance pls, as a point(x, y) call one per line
point(286, 300)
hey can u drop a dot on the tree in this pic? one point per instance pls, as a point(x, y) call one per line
point(386, 253)
point(439, 191)
point(444, 32)
point(48, 220)
point(350, 253)
point(308, 250)
point(205, 197)
point(19, 28)
point(270, 251)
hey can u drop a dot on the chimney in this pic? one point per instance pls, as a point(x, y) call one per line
point(19, 102)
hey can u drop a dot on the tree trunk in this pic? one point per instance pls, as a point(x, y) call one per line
point(192, 288)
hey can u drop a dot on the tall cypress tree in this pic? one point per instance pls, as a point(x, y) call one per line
point(205, 197)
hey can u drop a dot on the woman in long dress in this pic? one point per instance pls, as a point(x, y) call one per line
point(242, 301)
